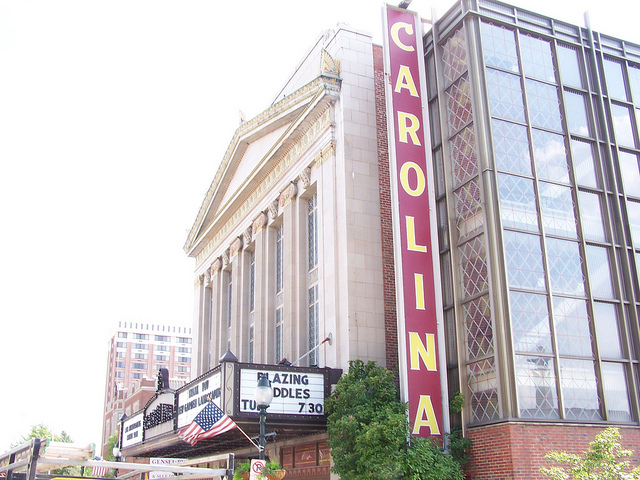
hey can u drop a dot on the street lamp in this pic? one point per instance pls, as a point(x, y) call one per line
point(263, 396)
point(117, 456)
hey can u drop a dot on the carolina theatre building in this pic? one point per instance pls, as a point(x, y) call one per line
point(531, 182)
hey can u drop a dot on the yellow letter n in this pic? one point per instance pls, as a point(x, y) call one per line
point(420, 351)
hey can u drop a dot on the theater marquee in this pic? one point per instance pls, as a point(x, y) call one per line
point(298, 405)
point(420, 332)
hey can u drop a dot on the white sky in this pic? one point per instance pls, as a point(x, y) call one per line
point(113, 118)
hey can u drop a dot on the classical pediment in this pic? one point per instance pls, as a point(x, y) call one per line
point(255, 149)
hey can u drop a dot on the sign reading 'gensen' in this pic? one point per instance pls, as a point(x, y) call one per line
point(415, 249)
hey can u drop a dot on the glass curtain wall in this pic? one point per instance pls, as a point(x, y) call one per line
point(563, 185)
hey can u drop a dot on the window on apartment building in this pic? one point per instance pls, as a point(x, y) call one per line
point(183, 369)
point(141, 356)
point(183, 359)
point(183, 340)
point(137, 376)
point(122, 334)
point(120, 364)
point(183, 349)
point(121, 345)
point(121, 354)
point(140, 346)
point(141, 336)
point(161, 348)
point(252, 304)
point(279, 266)
point(161, 358)
point(139, 366)
point(162, 338)
point(313, 300)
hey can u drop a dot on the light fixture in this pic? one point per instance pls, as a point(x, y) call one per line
point(263, 397)
point(264, 393)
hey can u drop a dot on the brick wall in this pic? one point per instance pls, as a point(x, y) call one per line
point(390, 319)
point(515, 451)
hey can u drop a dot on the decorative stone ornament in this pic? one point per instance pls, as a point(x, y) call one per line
point(259, 223)
point(235, 247)
point(226, 258)
point(305, 177)
point(273, 209)
point(216, 266)
point(246, 236)
point(287, 195)
point(329, 66)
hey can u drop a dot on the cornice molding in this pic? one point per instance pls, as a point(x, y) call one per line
point(321, 83)
point(273, 177)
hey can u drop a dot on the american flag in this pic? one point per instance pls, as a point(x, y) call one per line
point(99, 471)
point(209, 422)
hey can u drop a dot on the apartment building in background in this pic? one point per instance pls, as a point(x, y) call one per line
point(137, 351)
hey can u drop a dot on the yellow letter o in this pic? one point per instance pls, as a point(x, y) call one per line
point(404, 179)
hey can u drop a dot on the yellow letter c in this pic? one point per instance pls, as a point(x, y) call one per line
point(395, 29)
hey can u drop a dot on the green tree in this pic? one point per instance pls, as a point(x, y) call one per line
point(44, 432)
point(601, 462)
point(369, 432)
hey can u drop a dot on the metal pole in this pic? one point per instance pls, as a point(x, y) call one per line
point(263, 425)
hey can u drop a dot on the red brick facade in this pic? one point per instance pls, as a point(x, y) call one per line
point(390, 318)
point(515, 451)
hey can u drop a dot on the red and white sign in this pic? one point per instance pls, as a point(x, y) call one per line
point(256, 468)
point(422, 372)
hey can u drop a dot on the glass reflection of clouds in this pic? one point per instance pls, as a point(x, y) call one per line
point(550, 156)
point(622, 126)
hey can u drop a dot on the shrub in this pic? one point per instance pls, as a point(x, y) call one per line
point(425, 461)
point(369, 432)
point(600, 462)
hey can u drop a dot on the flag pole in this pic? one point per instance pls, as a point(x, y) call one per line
point(328, 339)
point(248, 438)
point(241, 430)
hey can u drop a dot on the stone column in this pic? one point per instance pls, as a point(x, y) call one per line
point(214, 344)
point(259, 232)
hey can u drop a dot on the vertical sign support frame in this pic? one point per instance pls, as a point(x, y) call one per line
point(422, 360)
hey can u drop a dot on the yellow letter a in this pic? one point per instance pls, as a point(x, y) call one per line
point(405, 80)
point(425, 409)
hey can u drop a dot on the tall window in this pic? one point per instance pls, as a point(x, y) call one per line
point(555, 234)
point(279, 351)
point(313, 301)
point(312, 229)
point(252, 305)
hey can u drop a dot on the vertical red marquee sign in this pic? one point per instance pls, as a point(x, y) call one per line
point(420, 333)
